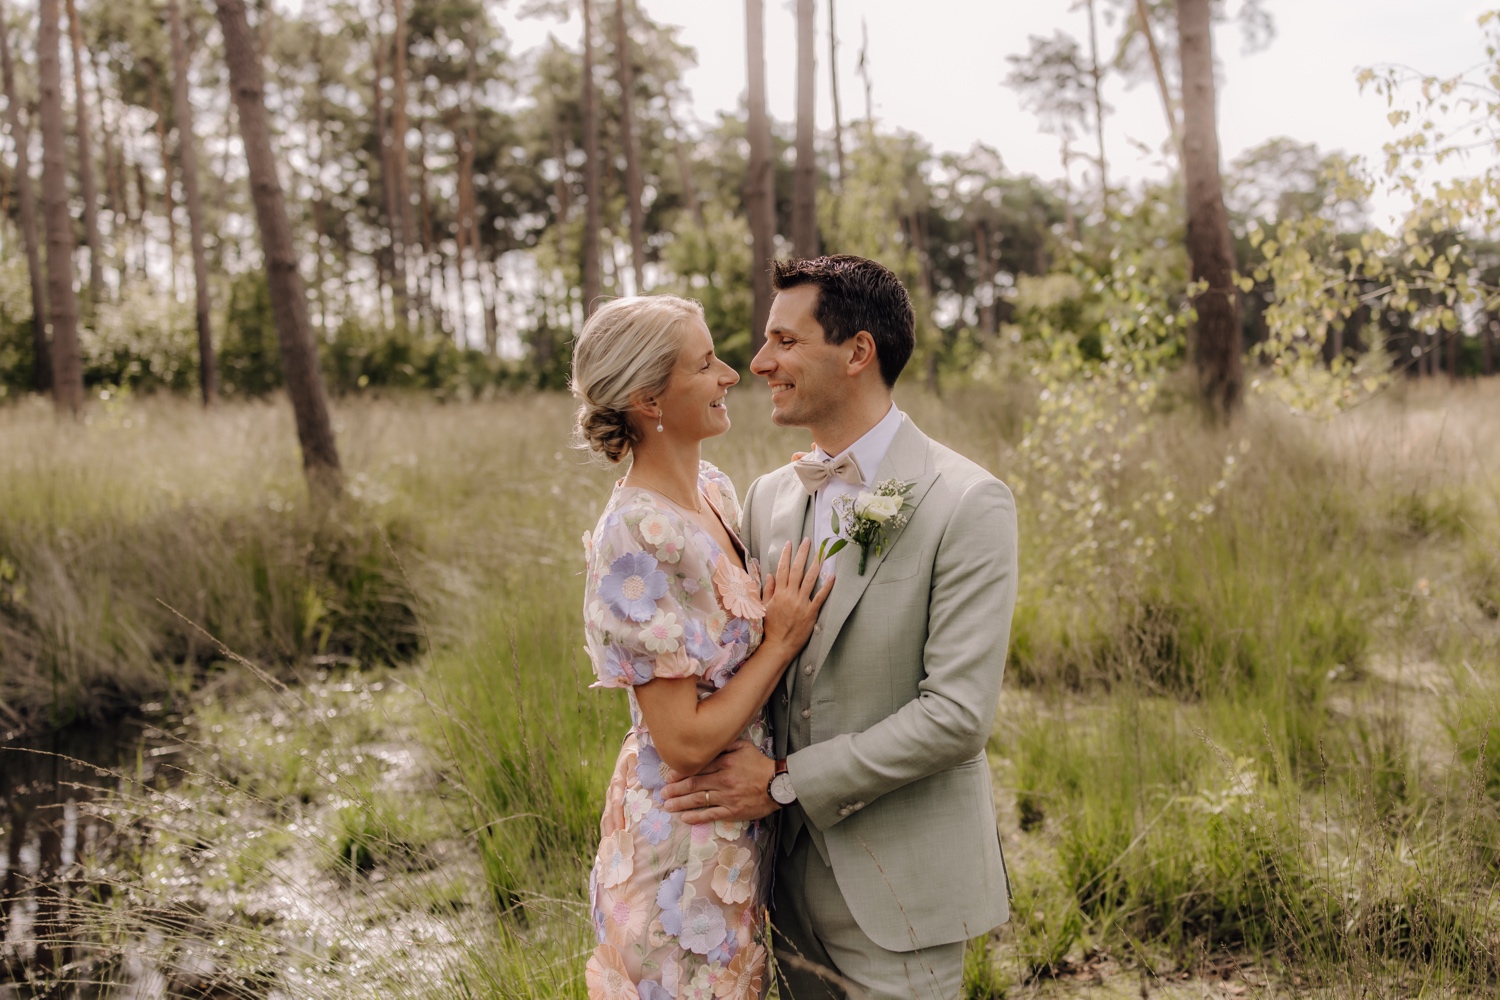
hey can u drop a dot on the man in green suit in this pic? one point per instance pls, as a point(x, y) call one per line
point(889, 856)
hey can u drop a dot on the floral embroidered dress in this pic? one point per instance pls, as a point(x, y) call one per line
point(678, 909)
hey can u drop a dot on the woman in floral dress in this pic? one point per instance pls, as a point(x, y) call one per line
point(675, 613)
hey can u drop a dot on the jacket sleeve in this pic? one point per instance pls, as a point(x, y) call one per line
point(968, 632)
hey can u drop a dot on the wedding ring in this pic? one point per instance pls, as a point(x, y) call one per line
point(708, 799)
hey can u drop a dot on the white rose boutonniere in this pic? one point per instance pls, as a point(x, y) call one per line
point(877, 507)
point(868, 519)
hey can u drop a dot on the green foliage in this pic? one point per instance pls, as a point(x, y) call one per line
point(143, 343)
point(249, 355)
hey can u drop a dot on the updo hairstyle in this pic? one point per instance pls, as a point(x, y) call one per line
point(627, 350)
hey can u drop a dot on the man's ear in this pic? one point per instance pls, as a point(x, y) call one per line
point(862, 353)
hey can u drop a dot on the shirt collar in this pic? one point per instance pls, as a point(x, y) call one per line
point(870, 449)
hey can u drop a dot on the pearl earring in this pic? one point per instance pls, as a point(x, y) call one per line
point(658, 422)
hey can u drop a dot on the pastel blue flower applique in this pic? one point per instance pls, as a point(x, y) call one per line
point(633, 586)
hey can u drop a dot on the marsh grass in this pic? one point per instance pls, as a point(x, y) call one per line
point(1274, 746)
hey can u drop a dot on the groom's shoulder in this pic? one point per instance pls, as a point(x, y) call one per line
point(765, 486)
point(957, 473)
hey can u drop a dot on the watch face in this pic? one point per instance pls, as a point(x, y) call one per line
point(781, 790)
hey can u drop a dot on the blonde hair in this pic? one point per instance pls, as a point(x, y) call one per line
point(627, 349)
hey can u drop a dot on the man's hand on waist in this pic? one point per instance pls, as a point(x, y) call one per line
point(731, 788)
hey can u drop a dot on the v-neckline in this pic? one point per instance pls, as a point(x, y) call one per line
point(734, 538)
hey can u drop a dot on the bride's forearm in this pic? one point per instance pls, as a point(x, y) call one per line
point(688, 732)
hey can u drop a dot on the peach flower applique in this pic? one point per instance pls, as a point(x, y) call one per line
point(742, 980)
point(739, 592)
point(607, 977)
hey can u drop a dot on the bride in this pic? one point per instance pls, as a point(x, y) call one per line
point(675, 613)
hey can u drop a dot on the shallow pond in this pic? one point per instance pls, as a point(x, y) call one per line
point(47, 785)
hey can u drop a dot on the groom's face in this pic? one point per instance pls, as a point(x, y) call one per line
point(806, 373)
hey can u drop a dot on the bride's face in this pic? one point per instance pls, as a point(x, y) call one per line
point(693, 405)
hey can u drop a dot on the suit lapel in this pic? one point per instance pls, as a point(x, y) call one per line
point(908, 460)
point(788, 511)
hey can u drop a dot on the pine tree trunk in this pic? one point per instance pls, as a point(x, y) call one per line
point(1488, 333)
point(468, 244)
point(20, 136)
point(400, 161)
point(632, 153)
point(187, 158)
point(87, 188)
point(760, 198)
point(1143, 15)
point(168, 202)
point(593, 212)
point(389, 187)
point(685, 172)
point(62, 304)
point(985, 264)
point(1217, 339)
point(1096, 76)
point(833, 89)
point(299, 356)
point(805, 174)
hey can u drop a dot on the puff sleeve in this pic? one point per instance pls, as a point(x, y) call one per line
point(636, 606)
point(721, 491)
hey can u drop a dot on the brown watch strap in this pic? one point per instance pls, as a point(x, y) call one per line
point(781, 766)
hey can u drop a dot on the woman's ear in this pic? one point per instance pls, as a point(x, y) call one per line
point(862, 352)
point(644, 405)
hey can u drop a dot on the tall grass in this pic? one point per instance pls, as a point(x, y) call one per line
point(1272, 745)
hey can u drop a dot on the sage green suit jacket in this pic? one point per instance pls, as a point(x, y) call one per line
point(906, 663)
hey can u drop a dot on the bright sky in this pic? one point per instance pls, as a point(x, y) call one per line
point(936, 67)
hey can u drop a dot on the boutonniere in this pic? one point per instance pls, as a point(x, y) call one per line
point(868, 519)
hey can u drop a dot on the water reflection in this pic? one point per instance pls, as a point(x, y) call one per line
point(46, 786)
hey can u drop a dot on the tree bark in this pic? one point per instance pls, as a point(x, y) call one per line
point(389, 187)
point(87, 189)
point(833, 89)
point(467, 237)
point(1097, 77)
point(62, 305)
point(400, 161)
point(805, 174)
point(20, 135)
point(299, 356)
point(760, 199)
point(685, 171)
point(985, 266)
point(168, 203)
point(1217, 339)
point(632, 154)
point(1143, 14)
point(187, 159)
point(593, 213)
point(1489, 344)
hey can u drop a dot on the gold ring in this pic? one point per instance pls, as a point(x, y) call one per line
point(708, 799)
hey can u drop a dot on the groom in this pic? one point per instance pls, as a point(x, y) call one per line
point(889, 856)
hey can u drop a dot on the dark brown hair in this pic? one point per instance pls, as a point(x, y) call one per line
point(854, 294)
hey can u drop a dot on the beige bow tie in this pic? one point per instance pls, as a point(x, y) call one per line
point(816, 472)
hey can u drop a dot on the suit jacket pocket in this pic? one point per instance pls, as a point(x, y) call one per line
point(900, 568)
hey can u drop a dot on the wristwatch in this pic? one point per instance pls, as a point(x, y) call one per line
point(780, 788)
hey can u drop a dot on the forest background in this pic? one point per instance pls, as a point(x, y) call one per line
point(1251, 690)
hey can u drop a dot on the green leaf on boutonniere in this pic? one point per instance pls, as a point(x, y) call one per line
point(827, 552)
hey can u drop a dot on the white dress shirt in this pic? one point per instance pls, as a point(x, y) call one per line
point(869, 451)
